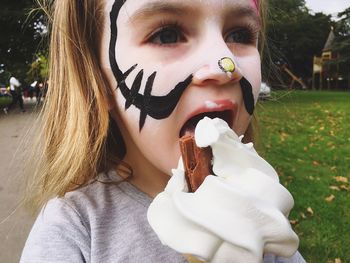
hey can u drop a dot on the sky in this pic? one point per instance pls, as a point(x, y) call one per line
point(329, 7)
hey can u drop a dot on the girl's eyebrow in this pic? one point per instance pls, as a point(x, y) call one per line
point(161, 7)
point(151, 9)
point(240, 12)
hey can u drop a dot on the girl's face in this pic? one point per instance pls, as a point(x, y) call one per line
point(165, 56)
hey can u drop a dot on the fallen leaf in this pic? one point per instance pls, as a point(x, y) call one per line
point(333, 187)
point(305, 149)
point(315, 163)
point(310, 211)
point(341, 179)
point(329, 198)
point(302, 215)
point(337, 260)
point(333, 168)
point(283, 136)
point(344, 187)
point(293, 222)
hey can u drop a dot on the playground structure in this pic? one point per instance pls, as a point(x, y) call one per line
point(326, 68)
point(295, 79)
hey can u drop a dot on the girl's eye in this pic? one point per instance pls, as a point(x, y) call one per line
point(166, 36)
point(242, 36)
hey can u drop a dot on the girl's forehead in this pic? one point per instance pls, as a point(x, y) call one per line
point(195, 5)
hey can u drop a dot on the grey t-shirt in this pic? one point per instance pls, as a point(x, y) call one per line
point(101, 222)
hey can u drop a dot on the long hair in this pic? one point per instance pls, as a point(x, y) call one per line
point(71, 148)
point(77, 139)
point(252, 132)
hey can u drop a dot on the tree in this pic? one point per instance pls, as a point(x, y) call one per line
point(39, 69)
point(342, 41)
point(21, 34)
point(295, 35)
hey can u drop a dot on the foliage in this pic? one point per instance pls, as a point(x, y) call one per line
point(21, 32)
point(39, 68)
point(295, 35)
point(342, 41)
point(305, 136)
point(5, 101)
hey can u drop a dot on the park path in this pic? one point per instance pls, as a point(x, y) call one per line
point(15, 221)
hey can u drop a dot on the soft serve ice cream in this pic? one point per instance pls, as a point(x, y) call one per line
point(238, 215)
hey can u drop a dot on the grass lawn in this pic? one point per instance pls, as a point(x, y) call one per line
point(305, 135)
point(4, 101)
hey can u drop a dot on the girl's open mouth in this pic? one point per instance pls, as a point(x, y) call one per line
point(189, 126)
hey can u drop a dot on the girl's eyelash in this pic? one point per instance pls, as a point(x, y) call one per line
point(163, 25)
point(249, 33)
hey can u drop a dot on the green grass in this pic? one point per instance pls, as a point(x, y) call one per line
point(306, 136)
point(4, 101)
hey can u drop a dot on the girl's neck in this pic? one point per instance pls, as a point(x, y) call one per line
point(146, 177)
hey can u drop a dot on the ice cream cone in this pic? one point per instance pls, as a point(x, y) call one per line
point(193, 259)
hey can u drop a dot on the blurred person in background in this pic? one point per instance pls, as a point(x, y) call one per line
point(16, 93)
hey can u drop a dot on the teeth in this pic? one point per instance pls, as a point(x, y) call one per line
point(211, 105)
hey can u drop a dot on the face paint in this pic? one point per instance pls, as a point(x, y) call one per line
point(158, 107)
point(227, 65)
point(248, 97)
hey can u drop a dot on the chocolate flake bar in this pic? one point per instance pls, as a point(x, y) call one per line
point(197, 162)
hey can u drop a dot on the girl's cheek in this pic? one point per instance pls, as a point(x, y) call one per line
point(251, 70)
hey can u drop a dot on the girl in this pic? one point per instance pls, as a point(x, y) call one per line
point(128, 78)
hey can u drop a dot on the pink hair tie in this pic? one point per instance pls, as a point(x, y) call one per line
point(256, 5)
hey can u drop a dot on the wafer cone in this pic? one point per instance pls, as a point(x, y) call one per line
point(193, 259)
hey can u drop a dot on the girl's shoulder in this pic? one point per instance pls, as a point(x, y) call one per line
point(296, 258)
point(105, 199)
point(93, 223)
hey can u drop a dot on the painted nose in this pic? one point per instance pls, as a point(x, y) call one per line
point(220, 72)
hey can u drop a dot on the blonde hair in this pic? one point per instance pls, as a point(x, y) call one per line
point(78, 139)
point(75, 117)
point(252, 132)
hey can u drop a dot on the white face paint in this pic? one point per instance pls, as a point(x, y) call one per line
point(177, 38)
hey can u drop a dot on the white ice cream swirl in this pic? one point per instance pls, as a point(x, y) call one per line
point(236, 216)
